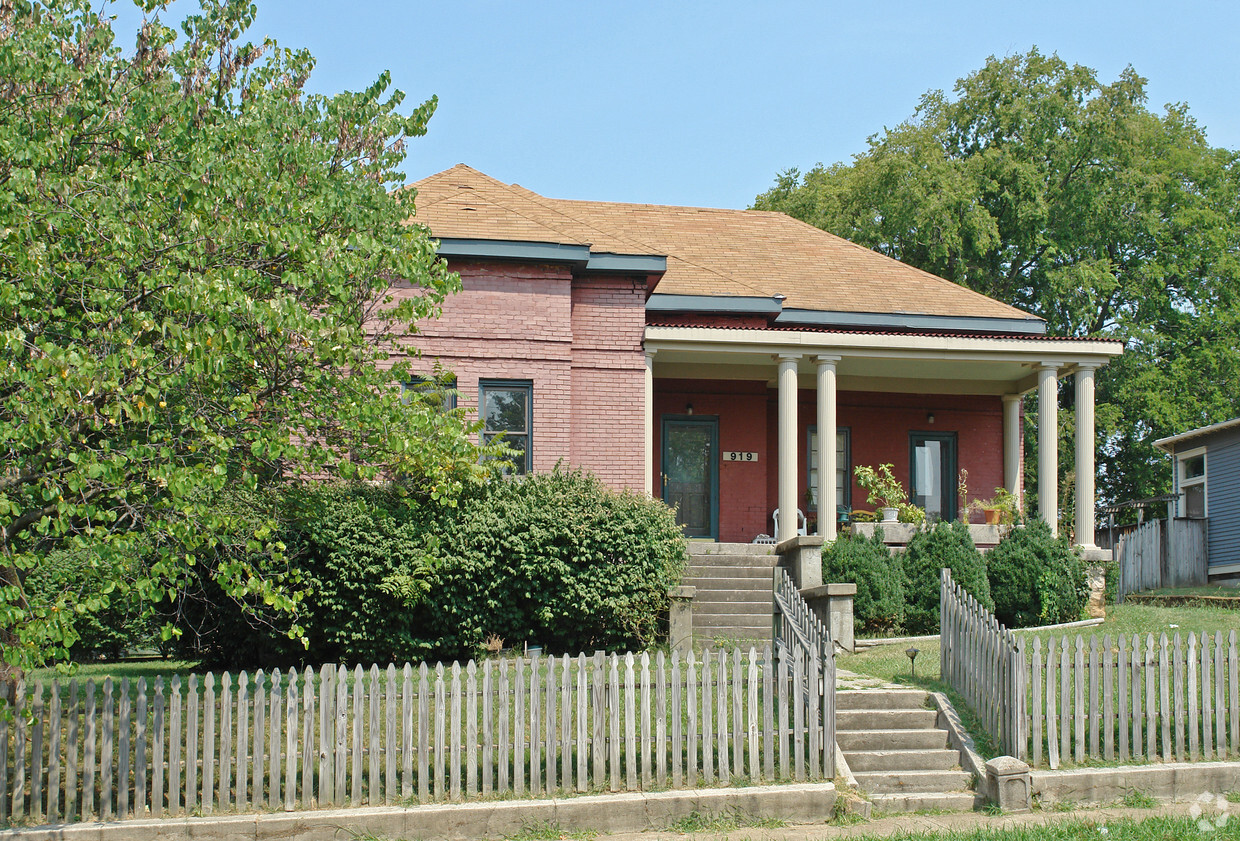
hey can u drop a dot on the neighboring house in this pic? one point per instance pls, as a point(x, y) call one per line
point(701, 355)
point(1206, 477)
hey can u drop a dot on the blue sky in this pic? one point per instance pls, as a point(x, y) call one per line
point(703, 103)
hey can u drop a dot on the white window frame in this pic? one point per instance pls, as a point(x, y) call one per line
point(1182, 482)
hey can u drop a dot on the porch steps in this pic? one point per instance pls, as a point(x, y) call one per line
point(898, 753)
point(733, 582)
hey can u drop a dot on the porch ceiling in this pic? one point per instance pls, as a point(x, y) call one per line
point(868, 362)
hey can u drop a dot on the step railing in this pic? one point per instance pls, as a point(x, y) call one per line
point(800, 634)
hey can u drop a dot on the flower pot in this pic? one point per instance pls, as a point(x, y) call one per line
point(890, 515)
point(993, 516)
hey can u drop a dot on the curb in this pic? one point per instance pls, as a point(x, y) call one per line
point(629, 812)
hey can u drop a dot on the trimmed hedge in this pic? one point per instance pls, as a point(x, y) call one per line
point(867, 562)
point(946, 545)
point(555, 559)
point(1036, 578)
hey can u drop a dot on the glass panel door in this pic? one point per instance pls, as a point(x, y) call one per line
point(691, 473)
point(933, 470)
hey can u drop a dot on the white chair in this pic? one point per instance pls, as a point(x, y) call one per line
point(802, 524)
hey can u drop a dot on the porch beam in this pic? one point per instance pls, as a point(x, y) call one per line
point(1012, 449)
point(786, 525)
point(648, 431)
point(1048, 444)
point(1085, 444)
point(825, 492)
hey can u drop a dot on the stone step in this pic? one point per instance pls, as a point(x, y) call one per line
point(746, 571)
point(881, 699)
point(732, 609)
point(883, 719)
point(903, 760)
point(749, 550)
point(862, 740)
point(914, 782)
point(943, 801)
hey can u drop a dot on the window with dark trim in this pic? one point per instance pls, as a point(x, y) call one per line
point(438, 391)
point(506, 408)
point(843, 467)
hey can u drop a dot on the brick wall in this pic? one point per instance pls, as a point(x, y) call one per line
point(577, 340)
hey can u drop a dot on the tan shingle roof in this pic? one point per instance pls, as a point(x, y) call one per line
point(709, 251)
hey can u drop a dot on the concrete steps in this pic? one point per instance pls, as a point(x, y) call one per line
point(733, 582)
point(898, 754)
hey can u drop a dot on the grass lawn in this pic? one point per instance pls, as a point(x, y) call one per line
point(1148, 829)
point(890, 662)
point(117, 670)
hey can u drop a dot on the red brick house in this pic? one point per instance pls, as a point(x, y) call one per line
point(701, 354)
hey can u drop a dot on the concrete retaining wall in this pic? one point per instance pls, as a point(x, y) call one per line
point(608, 813)
point(1171, 781)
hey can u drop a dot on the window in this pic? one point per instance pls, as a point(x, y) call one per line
point(439, 391)
point(843, 467)
point(1191, 467)
point(506, 407)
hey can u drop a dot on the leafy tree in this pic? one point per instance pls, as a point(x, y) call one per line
point(1043, 186)
point(197, 256)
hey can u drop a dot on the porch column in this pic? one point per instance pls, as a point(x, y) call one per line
point(1048, 444)
point(648, 482)
point(786, 527)
point(825, 492)
point(1011, 447)
point(1085, 444)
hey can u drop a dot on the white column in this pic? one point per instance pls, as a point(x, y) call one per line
point(649, 424)
point(1085, 444)
point(825, 492)
point(1012, 450)
point(786, 527)
point(1048, 445)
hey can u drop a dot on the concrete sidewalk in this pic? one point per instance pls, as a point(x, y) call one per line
point(953, 823)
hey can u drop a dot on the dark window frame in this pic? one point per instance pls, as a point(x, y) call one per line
point(948, 471)
point(809, 463)
point(510, 385)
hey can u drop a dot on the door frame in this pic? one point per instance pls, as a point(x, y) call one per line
point(711, 421)
point(947, 470)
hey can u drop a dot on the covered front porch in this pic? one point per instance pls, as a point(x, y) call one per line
point(734, 419)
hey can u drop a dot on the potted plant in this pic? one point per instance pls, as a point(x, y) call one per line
point(883, 488)
point(999, 509)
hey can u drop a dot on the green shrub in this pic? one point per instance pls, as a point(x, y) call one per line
point(113, 620)
point(1036, 578)
point(555, 559)
point(946, 545)
point(1111, 583)
point(879, 576)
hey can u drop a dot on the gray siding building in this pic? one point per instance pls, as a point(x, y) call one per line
point(1206, 475)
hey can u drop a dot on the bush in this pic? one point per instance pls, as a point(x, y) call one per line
point(879, 576)
point(946, 545)
point(115, 620)
point(1036, 578)
point(555, 559)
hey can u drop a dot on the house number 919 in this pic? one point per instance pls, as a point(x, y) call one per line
point(732, 455)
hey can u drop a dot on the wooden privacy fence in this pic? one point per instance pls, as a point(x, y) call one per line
point(800, 635)
point(1134, 698)
point(982, 660)
point(366, 737)
point(1162, 553)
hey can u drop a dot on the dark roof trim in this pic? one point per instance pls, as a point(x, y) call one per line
point(910, 321)
point(579, 256)
point(738, 305)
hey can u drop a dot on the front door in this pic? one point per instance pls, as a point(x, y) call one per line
point(933, 457)
point(691, 473)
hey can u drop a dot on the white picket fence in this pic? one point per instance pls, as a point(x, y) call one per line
point(983, 661)
point(1134, 698)
point(801, 634)
point(536, 727)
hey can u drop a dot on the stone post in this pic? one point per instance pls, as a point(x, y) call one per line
point(833, 605)
point(680, 618)
point(1010, 784)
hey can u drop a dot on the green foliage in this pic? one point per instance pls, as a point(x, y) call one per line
point(178, 319)
point(555, 559)
point(929, 551)
point(883, 488)
point(1110, 585)
point(1039, 184)
point(879, 576)
point(1036, 578)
